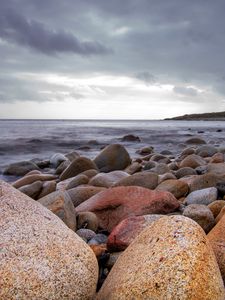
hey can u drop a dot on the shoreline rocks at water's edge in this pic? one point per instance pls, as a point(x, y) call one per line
point(110, 200)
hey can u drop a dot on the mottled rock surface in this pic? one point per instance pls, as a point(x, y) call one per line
point(40, 257)
point(170, 259)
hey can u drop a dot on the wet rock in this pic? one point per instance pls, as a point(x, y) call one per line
point(32, 190)
point(144, 179)
point(108, 179)
point(188, 151)
point(32, 178)
point(176, 187)
point(130, 138)
point(196, 141)
point(204, 196)
point(56, 159)
point(216, 207)
point(145, 150)
point(192, 161)
point(186, 171)
point(200, 214)
point(71, 156)
point(85, 234)
point(61, 205)
point(98, 239)
point(82, 193)
point(127, 230)
point(78, 166)
point(115, 204)
point(165, 262)
point(42, 258)
point(62, 167)
point(206, 151)
point(20, 168)
point(113, 157)
point(87, 220)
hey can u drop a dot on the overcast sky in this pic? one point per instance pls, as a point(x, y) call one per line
point(118, 59)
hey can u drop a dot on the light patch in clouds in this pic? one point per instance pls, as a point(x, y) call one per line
point(186, 91)
point(121, 31)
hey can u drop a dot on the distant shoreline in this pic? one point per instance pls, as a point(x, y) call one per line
point(214, 116)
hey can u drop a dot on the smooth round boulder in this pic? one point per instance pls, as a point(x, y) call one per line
point(85, 234)
point(62, 167)
point(216, 237)
point(186, 171)
point(107, 179)
point(42, 258)
point(166, 176)
point(115, 204)
point(145, 179)
point(176, 187)
point(80, 194)
point(216, 207)
point(47, 188)
point(204, 196)
point(130, 138)
point(160, 169)
point(56, 159)
point(170, 259)
point(200, 214)
point(32, 190)
point(113, 157)
point(199, 182)
point(206, 151)
point(192, 161)
point(61, 205)
point(134, 168)
point(20, 168)
point(79, 165)
point(32, 178)
point(216, 168)
point(195, 140)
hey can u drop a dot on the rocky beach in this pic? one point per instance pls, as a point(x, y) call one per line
point(115, 210)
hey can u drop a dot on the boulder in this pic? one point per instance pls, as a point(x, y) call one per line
point(85, 234)
point(130, 138)
point(61, 205)
point(47, 188)
point(199, 182)
point(71, 156)
point(195, 141)
point(192, 161)
point(176, 187)
point(113, 157)
point(200, 214)
point(216, 238)
point(82, 193)
point(216, 207)
point(170, 259)
point(42, 258)
point(186, 171)
point(206, 150)
point(108, 179)
point(218, 168)
point(127, 230)
point(204, 196)
point(62, 167)
point(79, 165)
point(32, 178)
point(217, 158)
point(115, 204)
point(134, 168)
point(145, 179)
point(56, 159)
point(20, 168)
point(220, 215)
point(32, 190)
point(160, 169)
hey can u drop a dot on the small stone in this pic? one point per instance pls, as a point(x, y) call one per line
point(200, 214)
point(87, 220)
point(85, 234)
point(98, 239)
point(204, 196)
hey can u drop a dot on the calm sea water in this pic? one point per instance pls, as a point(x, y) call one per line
point(27, 139)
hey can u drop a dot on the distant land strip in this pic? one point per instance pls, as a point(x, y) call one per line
point(214, 116)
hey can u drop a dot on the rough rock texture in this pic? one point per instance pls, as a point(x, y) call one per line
point(145, 179)
point(20, 168)
point(82, 193)
point(200, 214)
point(204, 196)
point(108, 179)
point(176, 187)
point(40, 257)
point(216, 238)
point(127, 230)
point(61, 205)
point(170, 259)
point(79, 165)
point(113, 157)
point(115, 204)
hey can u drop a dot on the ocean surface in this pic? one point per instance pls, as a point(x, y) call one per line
point(28, 139)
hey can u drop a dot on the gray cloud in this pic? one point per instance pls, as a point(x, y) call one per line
point(17, 29)
point(185, 91)
point(146, 77)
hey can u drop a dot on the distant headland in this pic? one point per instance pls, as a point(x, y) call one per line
point(214, 116)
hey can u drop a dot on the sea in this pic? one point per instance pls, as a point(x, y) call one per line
point(29, 139)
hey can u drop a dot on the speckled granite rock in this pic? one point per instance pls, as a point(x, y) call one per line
point(40, 257)
point(170, 259)
point(216, 238)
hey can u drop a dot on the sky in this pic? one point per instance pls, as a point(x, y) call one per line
point(118, 59)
